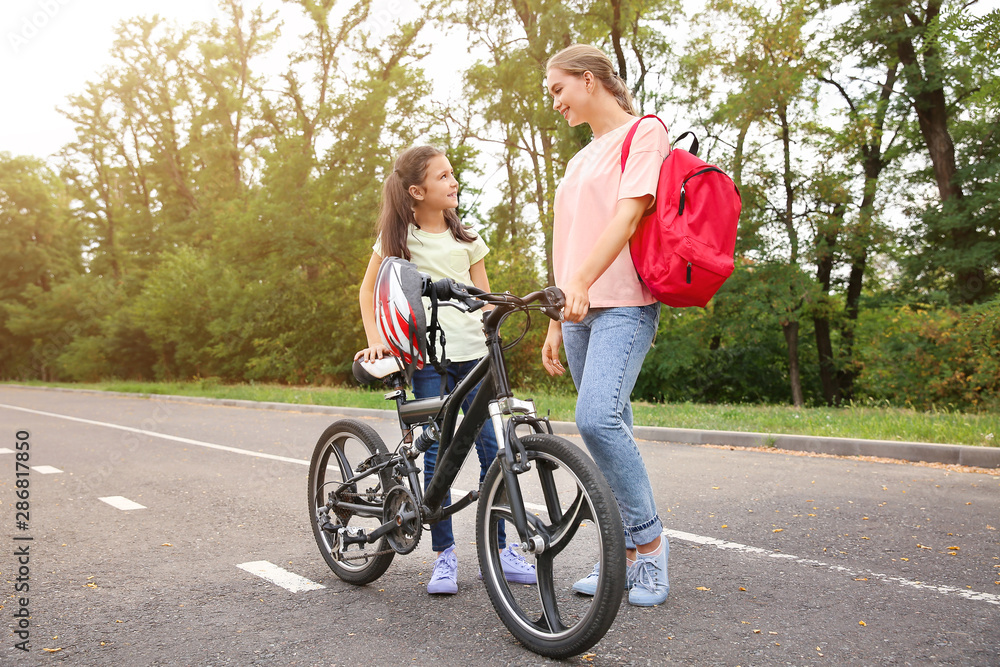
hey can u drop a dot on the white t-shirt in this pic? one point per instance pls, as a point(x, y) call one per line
point(441, 256)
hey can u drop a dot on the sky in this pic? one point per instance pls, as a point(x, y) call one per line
point(50, 49)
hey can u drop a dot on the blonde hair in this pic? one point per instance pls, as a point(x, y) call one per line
point(581, 58)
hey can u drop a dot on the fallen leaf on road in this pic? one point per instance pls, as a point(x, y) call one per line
point(52, 650)
point(862, 623)
point(955, 548)
point(702, 588)
point(920, 546)
point(777, 530)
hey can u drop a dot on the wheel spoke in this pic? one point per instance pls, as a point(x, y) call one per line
point(547, 594)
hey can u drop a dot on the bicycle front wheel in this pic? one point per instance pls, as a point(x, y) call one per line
point(569, 503)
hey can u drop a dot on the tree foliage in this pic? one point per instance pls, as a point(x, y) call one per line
point(211, 220)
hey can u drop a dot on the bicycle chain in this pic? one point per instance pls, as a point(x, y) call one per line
point(368, 555)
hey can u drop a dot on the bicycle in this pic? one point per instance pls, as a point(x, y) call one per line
point(367, 504)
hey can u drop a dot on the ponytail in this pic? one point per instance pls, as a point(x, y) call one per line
point(396, 211)
point(581, 58)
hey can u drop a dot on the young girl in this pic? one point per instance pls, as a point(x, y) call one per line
point(610, 315)
point(418, 222)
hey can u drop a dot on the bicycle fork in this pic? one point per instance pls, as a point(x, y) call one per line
point(514, 461)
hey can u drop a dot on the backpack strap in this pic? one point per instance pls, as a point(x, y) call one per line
point(631, 133)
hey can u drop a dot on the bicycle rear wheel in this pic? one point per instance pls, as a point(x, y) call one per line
point(568, 500)
point(344, 450)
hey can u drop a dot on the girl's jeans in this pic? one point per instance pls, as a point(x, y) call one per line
point(427, 383)
point(605, 353)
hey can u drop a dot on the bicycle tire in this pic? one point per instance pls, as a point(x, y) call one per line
point(553, 621)
point(349, 443)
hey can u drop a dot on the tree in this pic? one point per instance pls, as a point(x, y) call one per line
point(40, 249)
point(926, 40)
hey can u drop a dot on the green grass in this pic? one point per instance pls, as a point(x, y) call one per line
point(867, 422)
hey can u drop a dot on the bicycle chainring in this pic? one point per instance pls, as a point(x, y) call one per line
point(406, 535)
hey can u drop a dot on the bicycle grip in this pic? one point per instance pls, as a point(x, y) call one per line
point(556, 300)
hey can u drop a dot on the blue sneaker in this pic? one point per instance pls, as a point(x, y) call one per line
point(588, 585)
point(650, 584)
point(516, 569)
point(444, 577)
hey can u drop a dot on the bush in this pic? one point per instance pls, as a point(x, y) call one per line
point(914, 356)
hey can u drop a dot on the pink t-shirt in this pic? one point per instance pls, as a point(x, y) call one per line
point(585, 204)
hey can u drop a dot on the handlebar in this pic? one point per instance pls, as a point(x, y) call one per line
point(470, 298)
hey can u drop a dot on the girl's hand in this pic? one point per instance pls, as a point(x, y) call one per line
point(376, 351)
point(550, 350)
point(577, 300)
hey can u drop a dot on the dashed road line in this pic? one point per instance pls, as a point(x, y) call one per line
point(122, 503)
point(46, 470)
point(280, 576)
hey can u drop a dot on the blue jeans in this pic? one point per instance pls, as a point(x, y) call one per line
point(605, 353)
point(426, 384)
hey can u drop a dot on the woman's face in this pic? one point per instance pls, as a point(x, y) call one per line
point(569, 94)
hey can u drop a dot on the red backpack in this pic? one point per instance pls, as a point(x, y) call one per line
point(683, 250)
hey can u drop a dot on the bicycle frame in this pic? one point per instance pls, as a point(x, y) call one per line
point(493, 401)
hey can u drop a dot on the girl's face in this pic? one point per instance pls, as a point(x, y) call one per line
point(570, 96)
point(439, 191)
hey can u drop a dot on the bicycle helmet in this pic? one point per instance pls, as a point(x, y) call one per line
point(399, 312)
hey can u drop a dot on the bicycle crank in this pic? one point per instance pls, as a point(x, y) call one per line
point(401, 510)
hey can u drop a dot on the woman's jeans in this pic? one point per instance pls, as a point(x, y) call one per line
point(605, 353)
point(426, 384)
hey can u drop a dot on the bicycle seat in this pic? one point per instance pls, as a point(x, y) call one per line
point(368, 372)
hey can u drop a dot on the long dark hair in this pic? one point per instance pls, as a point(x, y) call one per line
point(396, 213)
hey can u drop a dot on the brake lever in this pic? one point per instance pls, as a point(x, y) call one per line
point(452, 293)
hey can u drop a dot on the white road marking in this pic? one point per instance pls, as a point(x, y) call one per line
point(280, 576)
point(46, 470)
point(154, 434)
point(6, 450)
point(122, 503)
point(676, 534)
point(901, 581)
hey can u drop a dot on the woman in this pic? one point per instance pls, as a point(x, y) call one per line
point(610, 315)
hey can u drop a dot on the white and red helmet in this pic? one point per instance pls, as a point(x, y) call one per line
point(399, 311)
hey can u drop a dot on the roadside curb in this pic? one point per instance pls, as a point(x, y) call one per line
point(964, 455)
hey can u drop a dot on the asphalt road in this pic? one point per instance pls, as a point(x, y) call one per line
point(775, 559)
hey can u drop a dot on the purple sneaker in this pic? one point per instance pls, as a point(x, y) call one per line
point(516, 569)
point(444, 577)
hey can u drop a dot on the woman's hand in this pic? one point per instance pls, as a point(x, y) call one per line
point(577, 296)
point(550, 350)
point(373, 352)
